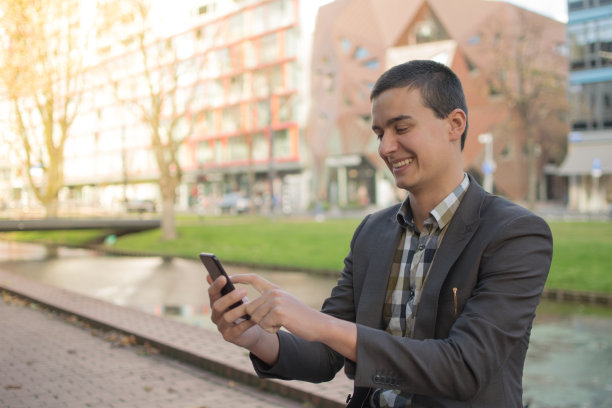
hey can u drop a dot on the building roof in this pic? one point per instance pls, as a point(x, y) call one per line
point(583, 158)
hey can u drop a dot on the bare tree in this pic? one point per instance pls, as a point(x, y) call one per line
point(530, 71)
point(43, 45)
point(165, 104)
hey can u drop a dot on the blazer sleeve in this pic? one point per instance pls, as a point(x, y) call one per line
point(508, 261)
point(312, 361)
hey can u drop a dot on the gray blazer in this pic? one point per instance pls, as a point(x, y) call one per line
point(472, 325)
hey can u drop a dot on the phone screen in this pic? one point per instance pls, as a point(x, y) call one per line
point(215, 269)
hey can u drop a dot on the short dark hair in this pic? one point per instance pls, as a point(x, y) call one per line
point(440, 87)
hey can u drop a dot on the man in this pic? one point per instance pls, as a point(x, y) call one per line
point(437, 296)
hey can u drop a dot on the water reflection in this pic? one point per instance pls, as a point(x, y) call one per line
point(177, 289)
point(568, 363)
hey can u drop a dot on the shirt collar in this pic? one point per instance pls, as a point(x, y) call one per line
point(441, 213)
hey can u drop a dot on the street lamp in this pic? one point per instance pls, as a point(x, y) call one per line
point(488, 165)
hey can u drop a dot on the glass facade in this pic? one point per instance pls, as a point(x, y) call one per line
point(590, 44)
point(591, 106)
point(589, 33)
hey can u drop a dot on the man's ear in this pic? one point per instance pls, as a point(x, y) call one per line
point(456, 124)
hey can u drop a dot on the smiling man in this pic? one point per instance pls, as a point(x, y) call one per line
point(437, 296)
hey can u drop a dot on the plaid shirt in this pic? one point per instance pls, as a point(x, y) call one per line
point(411, 263)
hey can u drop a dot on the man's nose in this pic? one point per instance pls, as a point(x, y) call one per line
point(387, 144)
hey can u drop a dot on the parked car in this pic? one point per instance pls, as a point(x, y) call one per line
point(140, 206)
point(234, 203)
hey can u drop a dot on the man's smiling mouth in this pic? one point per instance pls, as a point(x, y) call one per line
point(401, 163)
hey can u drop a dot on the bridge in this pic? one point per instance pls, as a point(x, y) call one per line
point(121, 226)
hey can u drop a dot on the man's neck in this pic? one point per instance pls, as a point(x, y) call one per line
point(422, 202)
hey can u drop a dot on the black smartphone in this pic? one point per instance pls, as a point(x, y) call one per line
point(215, 269)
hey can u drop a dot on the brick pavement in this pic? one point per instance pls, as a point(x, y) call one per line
point(63, 361)
point(48, 362)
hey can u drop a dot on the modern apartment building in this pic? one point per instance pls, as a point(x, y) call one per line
point(588, 163)
point(356, 40)
point(233, 73)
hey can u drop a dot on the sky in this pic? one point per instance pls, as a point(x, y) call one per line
point(556, 9)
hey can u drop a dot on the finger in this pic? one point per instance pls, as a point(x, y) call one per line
point(267, 311)
point(231, 316)
point(260, 284)
point(214, 290)
point(232, 331)
point(223, 303)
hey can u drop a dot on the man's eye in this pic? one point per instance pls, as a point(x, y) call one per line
point(379, 135)
point(401, 130)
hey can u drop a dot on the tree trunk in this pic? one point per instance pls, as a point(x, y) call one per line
point(51, 208)
point(531, 168)
point(168, 224)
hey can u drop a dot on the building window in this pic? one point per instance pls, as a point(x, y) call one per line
point(360, 53)
point(507, 152)
point(236, 88)
point(237, 148)
point(231, 119)
point(590, 44)
point(291, 42)
point(268, 48)
point(249, 59)
point(268, 81)
point(429, 29)
point(345, 45)
point(235, 27)
point(218, 147)
point(282, 144)
point(372, 64)
point(263, 113)
point(591, 106)
point(260, 147)
point(285, 109)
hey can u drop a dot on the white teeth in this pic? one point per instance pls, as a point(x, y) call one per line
point(402, 163)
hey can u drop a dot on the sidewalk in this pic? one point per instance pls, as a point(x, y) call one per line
point(108, 357)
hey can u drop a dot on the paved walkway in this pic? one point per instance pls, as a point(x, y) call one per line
point(111, 356)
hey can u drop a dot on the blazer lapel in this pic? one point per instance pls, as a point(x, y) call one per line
point(374, 290)
point(461, 229)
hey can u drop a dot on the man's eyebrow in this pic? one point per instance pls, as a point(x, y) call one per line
point(393, 120)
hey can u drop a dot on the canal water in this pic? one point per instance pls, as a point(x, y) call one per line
point(569, 362)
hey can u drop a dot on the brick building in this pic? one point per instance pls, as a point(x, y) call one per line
point(357, 40)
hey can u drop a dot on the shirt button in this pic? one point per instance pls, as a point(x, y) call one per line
point(421, 247)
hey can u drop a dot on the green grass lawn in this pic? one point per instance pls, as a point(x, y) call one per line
point(582, 258)
point(282, 242)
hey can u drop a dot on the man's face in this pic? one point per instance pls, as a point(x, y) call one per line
point(413, 142)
